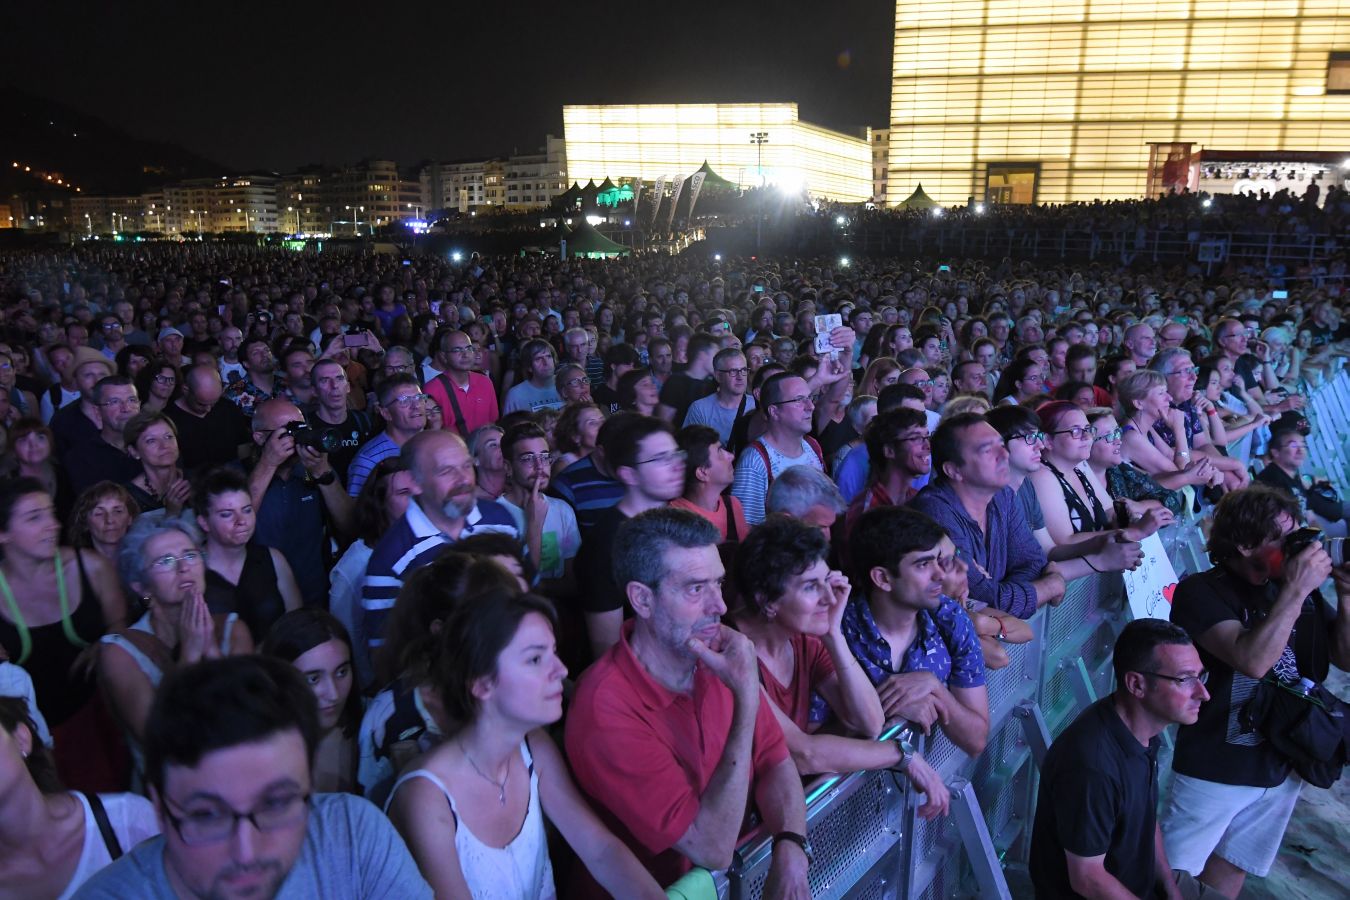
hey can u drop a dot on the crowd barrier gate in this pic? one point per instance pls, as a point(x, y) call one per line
point(870, 843)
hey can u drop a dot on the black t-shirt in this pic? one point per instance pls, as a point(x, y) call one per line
point(72, 428)
point(89, 463)
point(680, 391)
point(1325, 506)
point(597, 592)
point(606, 398)
point(1098, 796)
point(1247, 368)
point(835, 435)
point(358, 428)
point(213, 439)
point(1214, 748)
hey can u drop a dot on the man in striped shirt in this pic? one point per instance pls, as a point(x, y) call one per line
point(443, 511)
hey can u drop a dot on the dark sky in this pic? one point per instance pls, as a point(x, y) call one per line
point(279, 84)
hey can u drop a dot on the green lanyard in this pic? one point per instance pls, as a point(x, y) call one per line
point(25, 638)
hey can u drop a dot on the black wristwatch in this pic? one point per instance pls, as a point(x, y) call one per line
point(798, 839)
point(325, 479)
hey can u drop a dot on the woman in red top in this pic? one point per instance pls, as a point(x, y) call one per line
point(791, 608)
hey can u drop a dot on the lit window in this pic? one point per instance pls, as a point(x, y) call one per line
point(1338, 72)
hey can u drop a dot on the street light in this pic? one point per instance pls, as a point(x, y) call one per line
point(759, 139)
point(416, 208)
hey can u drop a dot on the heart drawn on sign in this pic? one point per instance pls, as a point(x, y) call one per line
point(1169, 590)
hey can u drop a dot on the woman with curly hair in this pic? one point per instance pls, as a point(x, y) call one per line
point(575, 433)
point(101, 517)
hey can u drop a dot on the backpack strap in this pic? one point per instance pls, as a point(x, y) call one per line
point(820, 453)
point(758, 447)
point(104, 826)
point(732, 533)
point(450, 391)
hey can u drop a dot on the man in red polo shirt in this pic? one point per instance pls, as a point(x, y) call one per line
point(474, 401)
point(667, 734)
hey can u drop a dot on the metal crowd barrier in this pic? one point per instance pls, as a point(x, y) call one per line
point(870, 843)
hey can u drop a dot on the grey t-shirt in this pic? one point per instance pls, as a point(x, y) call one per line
point(350, 851)
point(707, 411)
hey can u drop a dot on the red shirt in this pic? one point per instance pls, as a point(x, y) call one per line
point(478, 403)
point(719, 516)
point(644, 755)
point(813, 667)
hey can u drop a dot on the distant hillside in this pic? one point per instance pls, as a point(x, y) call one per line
point(87, 151)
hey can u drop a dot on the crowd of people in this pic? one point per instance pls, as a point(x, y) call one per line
point(527, 577)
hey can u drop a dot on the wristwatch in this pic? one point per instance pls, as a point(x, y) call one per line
point(907, 752)
point(798, 839)
point(325, 479)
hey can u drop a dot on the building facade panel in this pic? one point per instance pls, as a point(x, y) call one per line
point(1075, 92)
point(649, 141)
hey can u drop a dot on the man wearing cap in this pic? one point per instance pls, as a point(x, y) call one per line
point(171, 346)
point(80, 423)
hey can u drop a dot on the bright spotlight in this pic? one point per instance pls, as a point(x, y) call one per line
point(843, 262)
point(594, 220)
point(979, 209)
point(627, 223)
point(456, 256)
point(1206, 203)
point(937, 212)
point(840, 220)
point(717, 257)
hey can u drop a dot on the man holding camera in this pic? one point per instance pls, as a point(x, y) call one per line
point(1256, 615)
point(299, 500)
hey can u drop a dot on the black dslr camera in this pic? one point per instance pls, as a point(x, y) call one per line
point(1298, 540)
point(306, 436)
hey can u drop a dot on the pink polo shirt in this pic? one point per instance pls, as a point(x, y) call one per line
point(644, 754)
point(478, 403)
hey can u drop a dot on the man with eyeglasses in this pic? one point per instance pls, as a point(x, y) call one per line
point(229, 747)
point(789, 411)
point(1258, 614)
point(1232, 340)
point(78, 423)
point(731, 400)
point(645, 458)
point(1176, 366)
point(1096, 832)
point(921, 379)
point(466, 397)
point(549, 525)
point(402, 407)
point(1288, 452)
point(105, 458)
point(111, 337)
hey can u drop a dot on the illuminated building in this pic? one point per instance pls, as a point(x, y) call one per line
point(648, 142)
point(1021, 101)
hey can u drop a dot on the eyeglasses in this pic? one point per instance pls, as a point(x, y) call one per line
point(576, 382)
point(1184, 681)
point(404, 368)
point(1078, 431)
point(803, 397)
point(217, 822)
point(1032, 438)
point(109, 326)
point(734, 373)
point(923, 385)
point(530, 459)
point(1111, 436)
point(920, 438)
point(467, 348)
point(1293, 446)
point(124, 402)
point(670, 457)
point(169, 563)
point(165, 379)
point(1186, 370)
point(407, 400)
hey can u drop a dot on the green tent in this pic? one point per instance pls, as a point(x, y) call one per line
point(569, 198)
point(607, 194)
point(918, 200)
point(586, 241)
point(713, 181)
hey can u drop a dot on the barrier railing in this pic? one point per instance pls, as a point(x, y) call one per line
point(869, 841)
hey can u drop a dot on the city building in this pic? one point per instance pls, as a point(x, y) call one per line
point(745, 143)
point(1072, 100)
point(534, 179)
point(360, 198)
point(107, 215)
point(454, 187)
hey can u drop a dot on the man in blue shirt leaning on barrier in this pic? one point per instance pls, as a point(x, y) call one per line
point(916, 644)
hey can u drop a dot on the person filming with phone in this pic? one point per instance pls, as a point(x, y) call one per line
point(1261, 625)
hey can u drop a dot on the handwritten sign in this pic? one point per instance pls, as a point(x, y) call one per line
point(1151, 586)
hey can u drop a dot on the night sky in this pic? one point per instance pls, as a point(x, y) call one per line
point(280, 84)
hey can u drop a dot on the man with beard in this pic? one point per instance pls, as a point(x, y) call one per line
point(228, 747)
point(443, 510)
